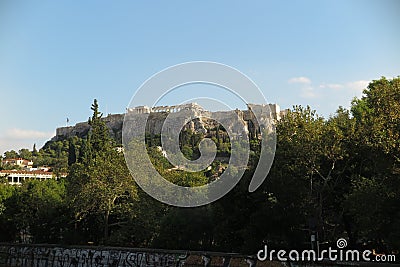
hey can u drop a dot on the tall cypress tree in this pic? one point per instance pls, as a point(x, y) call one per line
point(34, 150)
point(71, 152)
point(99, 138)
point(99, 185)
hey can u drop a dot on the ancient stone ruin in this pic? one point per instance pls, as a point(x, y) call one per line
point(158, 114)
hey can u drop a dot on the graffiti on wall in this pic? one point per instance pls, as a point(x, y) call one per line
point(22, 256)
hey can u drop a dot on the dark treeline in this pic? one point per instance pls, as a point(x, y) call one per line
point(336, 178)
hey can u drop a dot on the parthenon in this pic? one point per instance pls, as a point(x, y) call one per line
point(170, 109)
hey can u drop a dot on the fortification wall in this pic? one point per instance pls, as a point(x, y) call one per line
point(113, 122)
point(157, 116)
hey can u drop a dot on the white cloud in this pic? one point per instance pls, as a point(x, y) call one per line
point(21, 134)
point(7, 145)
point(335, 86)
point(358, 86)
point(15, 139)
point(308, 92)
point(354, 88)
point(302, 80)
point(327, 96)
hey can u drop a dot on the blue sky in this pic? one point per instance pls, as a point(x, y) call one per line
point(57, 56)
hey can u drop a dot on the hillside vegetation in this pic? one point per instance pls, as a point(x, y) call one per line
point(338, 177)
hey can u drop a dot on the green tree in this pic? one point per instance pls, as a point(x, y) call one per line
point(55, 155)
point(34, 212)
point(375, 181)
point(8, 229)
point(72, 153)
point(34, 150)
point(12, 154)
point(25, 153)
point(304, 191)
point(187, 151)
point(186, 229)
point(100, 185)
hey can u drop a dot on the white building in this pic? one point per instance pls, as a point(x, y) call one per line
point(24, 163)
point(16, 177)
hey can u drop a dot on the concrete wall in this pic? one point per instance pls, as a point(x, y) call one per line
point(57, 256)
point(23, 255)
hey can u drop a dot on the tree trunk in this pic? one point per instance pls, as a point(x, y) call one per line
point(106, 216)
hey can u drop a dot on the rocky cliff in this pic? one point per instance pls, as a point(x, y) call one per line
point(156, 120)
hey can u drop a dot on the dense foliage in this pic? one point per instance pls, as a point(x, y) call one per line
point(335, 177)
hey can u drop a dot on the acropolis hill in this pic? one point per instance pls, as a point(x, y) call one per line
point(158, 114)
